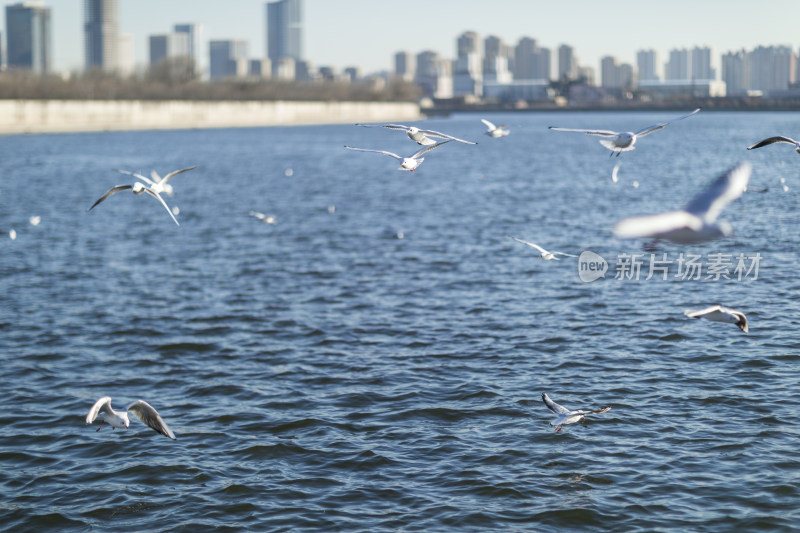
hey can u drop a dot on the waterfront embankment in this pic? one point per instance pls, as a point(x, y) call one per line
point(56, 116)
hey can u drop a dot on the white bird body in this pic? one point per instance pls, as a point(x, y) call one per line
point(697, 222)
point(718, 313)
point(544, 254)
point(623, 141)
point(495, 131)
point(418, 135)
point(776, 139)
point(119, 419)
point(137, 188)
point(406, 163)
point(266, 219)
point(568, 416)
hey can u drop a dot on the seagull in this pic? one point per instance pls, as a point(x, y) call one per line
point(407, 163)
point(35, 220)
point(140, 408)
point(137, 188)
point(12, 234)
point(717, 313)
point(777, 139)
point(418, 135)
point(266, 219)
point(156, 182)
point(547, 256)
point(565, 416)
point(623, 141)
point(697, 222)
point(495, 131)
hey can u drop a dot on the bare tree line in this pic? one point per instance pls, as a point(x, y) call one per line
point(176, 80)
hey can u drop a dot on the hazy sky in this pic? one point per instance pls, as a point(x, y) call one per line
point(367, 33)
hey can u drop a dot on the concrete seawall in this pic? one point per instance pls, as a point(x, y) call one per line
point(53, 116)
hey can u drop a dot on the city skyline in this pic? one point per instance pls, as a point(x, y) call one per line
point(355, 33)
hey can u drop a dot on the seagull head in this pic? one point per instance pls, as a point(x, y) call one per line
point(138, 188)
point(413, 130)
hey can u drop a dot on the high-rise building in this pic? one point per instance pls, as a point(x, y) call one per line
point(126, 62)
point(404, 65)
point(679, 65)
point(701, 64)
point(647, 63)
point(227, 58)
point(167, 46)
point(29, 37)
point(194, 34)
point(284, 31)
point(530, 61)
point(771, 68)
point(101, 32)
point(614, 75)
point(736, 72)
point(468, 67)
point(567, 62)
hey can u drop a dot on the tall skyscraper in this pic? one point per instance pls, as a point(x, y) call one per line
point(29, 37)
point(284, 31)
point(194, 34)
point(227, 58)
point(101, 31)
point(567, 63)
point(701, 64)
point(679, 65)
point(168, 45)
point(646, 63)
point(404, 65)
point(530, 61)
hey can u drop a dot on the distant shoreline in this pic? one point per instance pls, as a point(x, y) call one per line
point(445, 107)
point(65, 116)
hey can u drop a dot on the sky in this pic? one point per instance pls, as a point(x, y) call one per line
point(367, 33)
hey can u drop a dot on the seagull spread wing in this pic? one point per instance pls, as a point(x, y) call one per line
point(166, 178)
point(431, 133)
point(136, 175)
point(379, 151)
point(564, 254)
point(553, 406)
point(157, 196)
point(109, 192)
point(489, 124)
point(650, 129)
point(590, 411)
point(149, 416)
point(103, 404)
point(389, 126)
point(728, 186)
point(654, 225)
point(770, 140)
point(542, 250)
point(697, 313)
point(428, 148)
point(598, 133)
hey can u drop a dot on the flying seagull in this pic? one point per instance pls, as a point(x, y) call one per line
point(566, 416)
point(717, 313)
point(697, 222)
point(547, 256)
point(777, 139)
point(137, 188)
point(266, 219)
point(407, 163)
point(495, 131)
point(140, 408)
point(623, 141)
point(156, 182)
point(418, 135)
